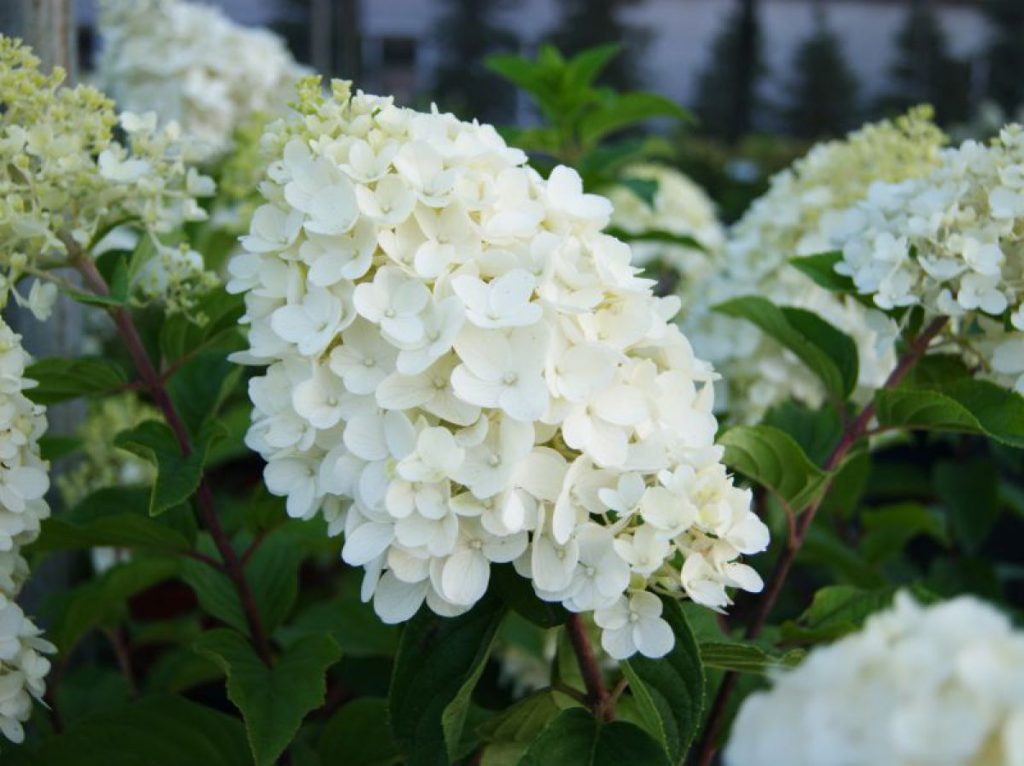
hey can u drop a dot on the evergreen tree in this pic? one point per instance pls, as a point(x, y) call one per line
point(466, 34)
point(588, 23)
point(823, 89)
point(1005, 56)
point(727, 91)
point(924, 71)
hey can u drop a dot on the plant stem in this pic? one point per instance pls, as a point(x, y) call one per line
point(157, 388)
point(853, 433)
point(597, 694)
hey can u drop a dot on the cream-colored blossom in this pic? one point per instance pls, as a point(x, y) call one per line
point(798, 216)
point(464, 370)
point(65, 181)
point(941, 685)
point(190, 64)
point(952, 243)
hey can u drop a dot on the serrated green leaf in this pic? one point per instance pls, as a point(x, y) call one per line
point(518, 593)
point(970, 491)
point(968, 406)
point(888, 529)
point(438, 663)
point(574, 738)
point(627, 110)
point(670, 691)
point(201, 386)
point(118, 517)
point(835, 611)
point(152, 731)
point(821, 268)
point(816, 431)
point(772, 458)
point(828, 353)
point(178, 476)
point(359, 735)
point(745, 657)
point(104, 600)
point(273, 701)
point(63, 379)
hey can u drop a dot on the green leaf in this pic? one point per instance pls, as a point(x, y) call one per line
point(181, 334)
point(888, 529)
point(585, 66)
point(670, 691)
point(626, 110)
point(438, 663)
point(353, 624)
point(118, 517)
point(178, 476)
point(816, 431)
point(968, 406)
point(774, 460)
point(273, 701)
point(507, 735)
point(745, 657)
point(359, 735)
point(152, 731)
point(200, 388)
point(88, 690)
point(518, 593)
point(104, 600)
point(821, 268)
point(574, 738)
point(63, 379)
point(827, 352)
point(836, 611)
point(970, 491)
point(273, 571)
point(215, 593)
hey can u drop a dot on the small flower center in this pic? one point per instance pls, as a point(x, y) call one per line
point(634, 617)
point(476, 544)
point(494, 460)
point(509, 378)
point(369, 361)
point(390, 313)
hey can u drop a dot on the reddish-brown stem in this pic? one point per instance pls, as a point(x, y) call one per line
point(852, 434)
point(123, 653)
point(151, 379)
point(597, 694)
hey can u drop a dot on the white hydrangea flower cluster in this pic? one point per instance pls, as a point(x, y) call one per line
point(797, 216)
point(941, 685)
point(679, 207)
point(65, 180)
point(951, 242)
point(190, 63)
point(465, 371)
point(23, 486)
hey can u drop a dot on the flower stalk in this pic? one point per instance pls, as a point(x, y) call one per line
point(854, 432)
point(155, 385)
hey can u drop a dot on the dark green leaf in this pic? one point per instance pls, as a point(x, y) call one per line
point(821, 268)
point(359, 735)
point(273, 701)
point(774, 460)
point(215, 593)
point(745, 657)
point(835, 611)
point(357, 630)
point(518, 593)
point(104, 601)
point(889, 528)
point(438, 663)
point(970, 491)
point(627, 110)
point(177, 476)
point(654, 235)
point(507, 735)
point(827, 352)
point(816, 431)
point(62, 379)
point(152, 731)
point(201, 386)
point(574, 738)
point(670, 691)
point(115, 516)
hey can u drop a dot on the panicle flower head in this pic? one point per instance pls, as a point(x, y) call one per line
point(65, 180)
point(941, 685)
point(464, 370)
point(191, 64)
point(952, 243)
point(23, 485)
point(798, 216)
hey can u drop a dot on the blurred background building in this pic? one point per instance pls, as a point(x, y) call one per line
point(804, 67)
